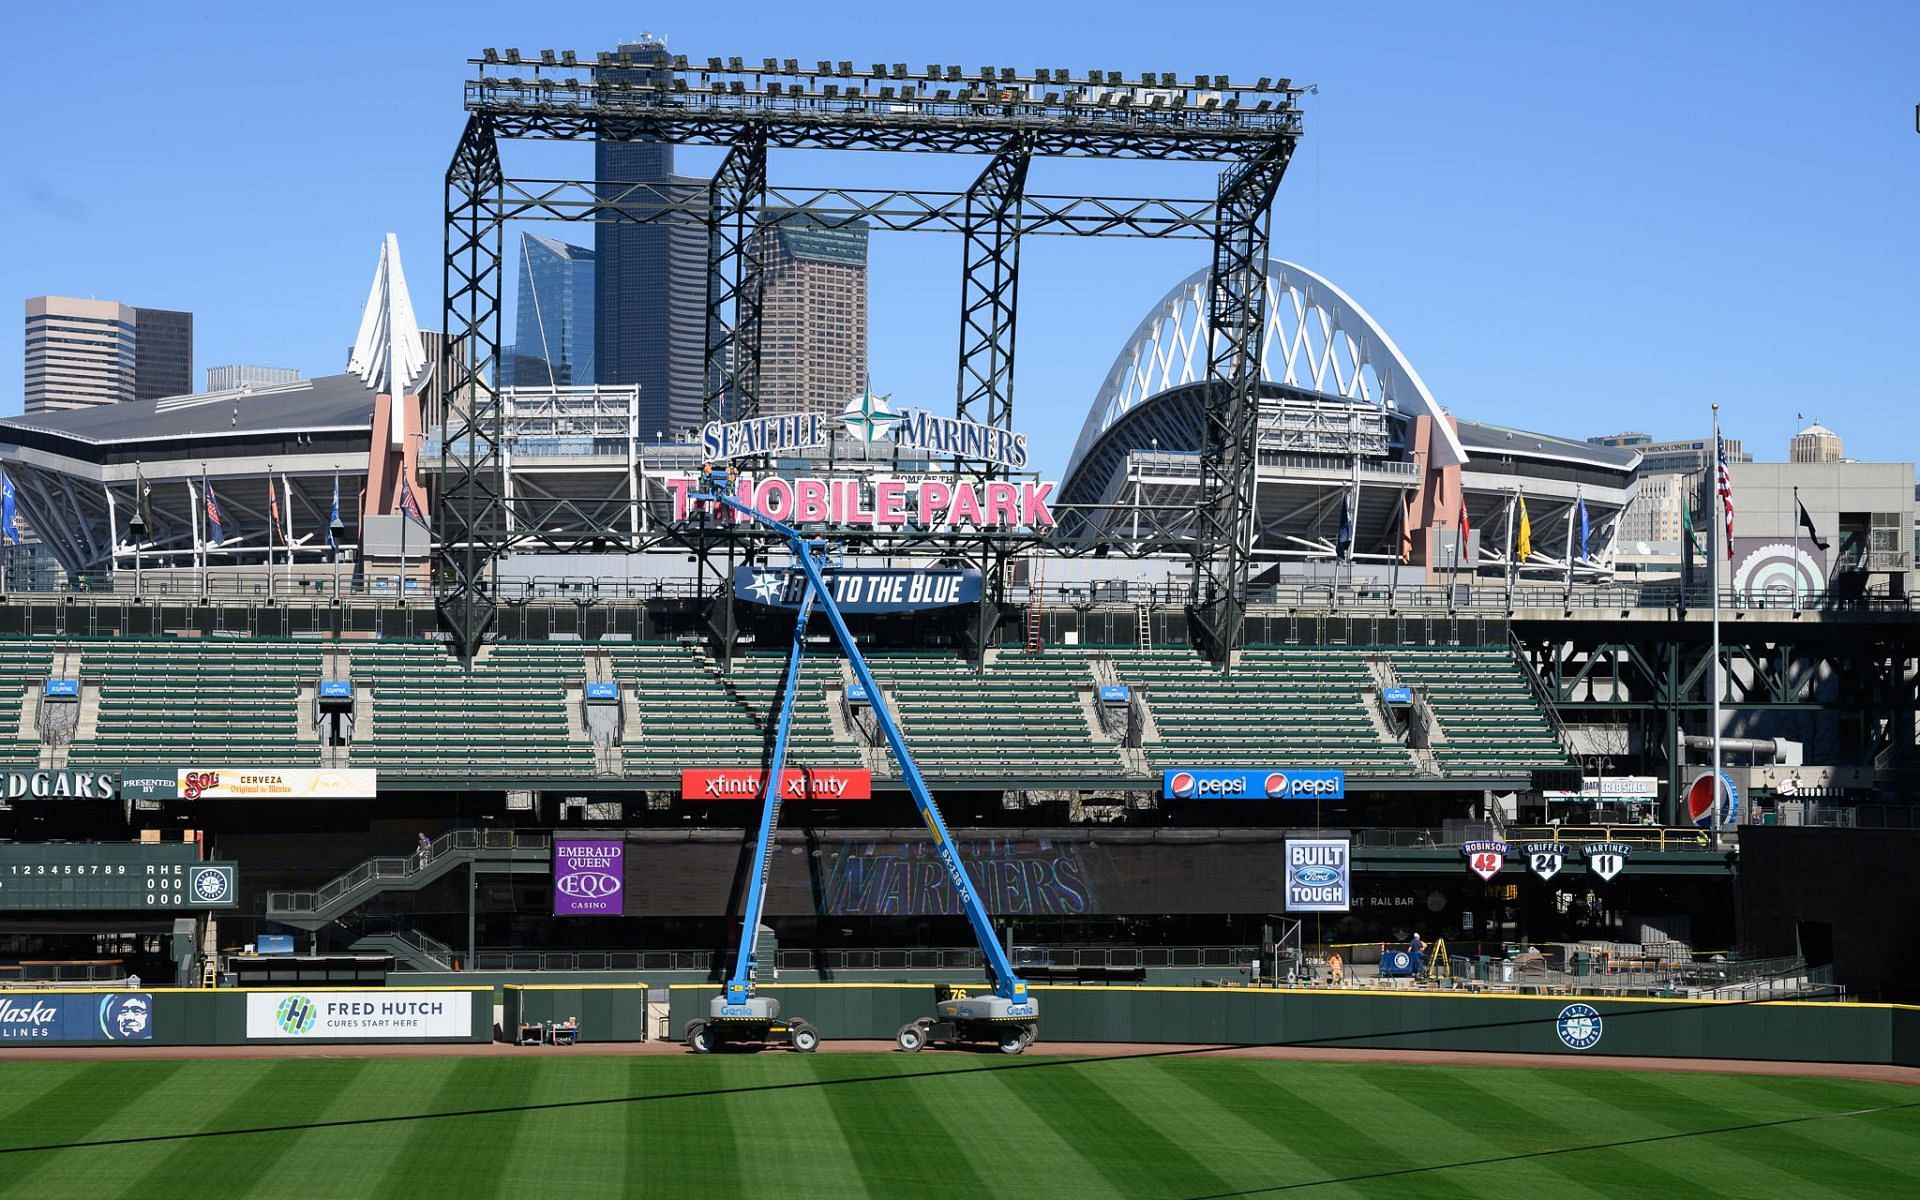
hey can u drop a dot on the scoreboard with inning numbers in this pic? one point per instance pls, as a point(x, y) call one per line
point(112, 876)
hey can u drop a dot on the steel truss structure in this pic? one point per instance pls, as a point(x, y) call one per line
point(1013, 116)
point(1846, 686)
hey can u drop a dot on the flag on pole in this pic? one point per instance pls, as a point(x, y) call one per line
point(1406, 527)
point(1806, 523)
point(143, 505)
point(1526, 532)
point(215, 534)
point(410, 504)
point(333, 518)
point(286, 529)
point(1580, 506)
point(1346, 524)
point(9, 515)
point(1466, 526)
point(274, 531)
point(1726, 489)
point(1688, 547)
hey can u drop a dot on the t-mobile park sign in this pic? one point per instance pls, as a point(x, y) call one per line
point(880, 503)
point(796, 783)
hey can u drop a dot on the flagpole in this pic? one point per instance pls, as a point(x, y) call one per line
point(201, 524)
point(1573, 514)
point(1713, 582)
point(286, 524)
point(1509, 550)
point(140, 515)
point(271, 533)
point(1796, 547)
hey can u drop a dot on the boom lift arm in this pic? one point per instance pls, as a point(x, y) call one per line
point(1008, 1015)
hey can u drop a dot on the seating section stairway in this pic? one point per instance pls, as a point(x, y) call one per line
point(1488, 714)
point(691, 715)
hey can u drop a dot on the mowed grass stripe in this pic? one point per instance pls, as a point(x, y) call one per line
point(791, 1141)
point(681, 1147)
point(1726, 1163)
point(1132, 1154)
point(454, 1155)
point(1231, 1125)
point(100, 1099)
point(1014, 1144)
point(318, 1163)
point(27, 1085)
point(1487, 1123)
point(1310, 1098)
point(571, 1152)
point(278, 1095)
point(901, 1142)
point(1795, 1150)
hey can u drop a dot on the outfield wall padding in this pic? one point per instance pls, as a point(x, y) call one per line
point(1781, 1031)
point(608, 1012)
point(216, 1017)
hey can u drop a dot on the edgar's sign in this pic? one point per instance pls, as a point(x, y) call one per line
point(1319, 871)
point(865, 590)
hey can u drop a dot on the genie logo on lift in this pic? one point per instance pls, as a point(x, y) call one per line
point(1201, 784)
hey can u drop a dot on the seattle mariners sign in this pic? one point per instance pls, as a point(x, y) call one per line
point(1319, 874)
point(870, 419)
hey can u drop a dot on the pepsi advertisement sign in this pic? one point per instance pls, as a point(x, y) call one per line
point(1215, 784)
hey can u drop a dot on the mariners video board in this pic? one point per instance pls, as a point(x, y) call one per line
point(118, 877)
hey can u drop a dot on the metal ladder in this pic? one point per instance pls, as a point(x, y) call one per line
point(1035, 587)
point(1143, 622)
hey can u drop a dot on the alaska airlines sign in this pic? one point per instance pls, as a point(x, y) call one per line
point(863, 590)
point(870, 419)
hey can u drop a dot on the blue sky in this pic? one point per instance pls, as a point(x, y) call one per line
point(1575, 221)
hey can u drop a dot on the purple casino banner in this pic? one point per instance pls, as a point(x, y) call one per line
point(587, 878)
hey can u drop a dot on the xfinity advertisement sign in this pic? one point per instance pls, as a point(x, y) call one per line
point(1202, 783)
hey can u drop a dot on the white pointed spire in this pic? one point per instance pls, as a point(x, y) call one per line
point(389, 346)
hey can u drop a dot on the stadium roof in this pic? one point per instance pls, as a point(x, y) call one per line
point(332, 403)
point(1479, 436)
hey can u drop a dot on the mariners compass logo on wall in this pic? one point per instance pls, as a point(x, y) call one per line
point(1579, 1026)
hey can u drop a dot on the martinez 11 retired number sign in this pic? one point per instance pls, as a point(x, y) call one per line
point(1606, 859)
point(1484, 858)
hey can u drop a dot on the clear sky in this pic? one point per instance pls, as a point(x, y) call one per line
point(1576, 220)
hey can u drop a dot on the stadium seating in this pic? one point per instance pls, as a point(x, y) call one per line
point(1281, 707)
point(1022, 717)
point(23, 668)
point(1489, 716)
point(190, 701)
point(508, 716)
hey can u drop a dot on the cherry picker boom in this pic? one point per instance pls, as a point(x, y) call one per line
point(1009, 1016)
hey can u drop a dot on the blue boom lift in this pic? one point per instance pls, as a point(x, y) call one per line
point(1009, 1017)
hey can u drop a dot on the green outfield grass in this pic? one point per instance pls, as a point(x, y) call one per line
point(777, 1124)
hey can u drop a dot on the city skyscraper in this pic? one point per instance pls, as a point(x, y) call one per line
point(553, 323)
point(162, 353)
point(80, 353)
point(239, 375)
point(813, 316)
point(650, 284)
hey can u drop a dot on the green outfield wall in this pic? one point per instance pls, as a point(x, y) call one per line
point(244, 1016)
point(607, 1012)
point(1782, 1031)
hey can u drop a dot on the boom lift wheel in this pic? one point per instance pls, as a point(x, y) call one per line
point(1014, 1041)
point(911, 1037)
point(803, 1037)
point(700, 1038)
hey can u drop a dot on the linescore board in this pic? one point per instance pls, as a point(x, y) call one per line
point(113, 877)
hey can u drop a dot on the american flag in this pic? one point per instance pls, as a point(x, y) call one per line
point(1725, 483)
point(410, 504)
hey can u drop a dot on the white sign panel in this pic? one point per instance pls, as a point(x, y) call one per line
point(256, 783)
point(1319, 874)
point(285, 1016)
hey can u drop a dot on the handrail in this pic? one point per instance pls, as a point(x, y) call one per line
point(380, 870)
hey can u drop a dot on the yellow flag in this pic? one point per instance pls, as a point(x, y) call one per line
point(1526, 532)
